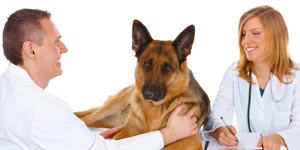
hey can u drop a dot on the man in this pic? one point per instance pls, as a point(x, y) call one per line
point(30, 118)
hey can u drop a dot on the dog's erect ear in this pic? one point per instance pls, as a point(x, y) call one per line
point(184, 42)
point(140, 37)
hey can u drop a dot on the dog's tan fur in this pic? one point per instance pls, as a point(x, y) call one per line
point(162, 82)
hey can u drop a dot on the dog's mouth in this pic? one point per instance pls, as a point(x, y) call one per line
point(154, 93)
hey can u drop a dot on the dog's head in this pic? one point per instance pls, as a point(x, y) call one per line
point(161, 72)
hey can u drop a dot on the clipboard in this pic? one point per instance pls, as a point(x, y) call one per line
point(246, 141)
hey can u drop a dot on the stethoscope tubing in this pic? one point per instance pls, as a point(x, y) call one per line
point(249, 98)
point(249, 103)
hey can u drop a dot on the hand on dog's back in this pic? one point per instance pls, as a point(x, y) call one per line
point(180, 125)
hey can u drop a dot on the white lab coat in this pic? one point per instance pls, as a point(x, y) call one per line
point(31, 119)
point(276, 111)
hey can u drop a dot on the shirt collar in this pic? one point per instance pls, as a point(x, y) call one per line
point(18, 71)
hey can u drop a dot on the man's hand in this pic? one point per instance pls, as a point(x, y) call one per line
point(109, 133)
point(180, 126)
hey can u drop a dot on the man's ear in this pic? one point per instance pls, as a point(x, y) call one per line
point(28, 49)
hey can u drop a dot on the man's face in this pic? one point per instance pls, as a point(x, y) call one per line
point(49, 53)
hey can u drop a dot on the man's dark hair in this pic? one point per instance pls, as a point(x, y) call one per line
point(23, 25)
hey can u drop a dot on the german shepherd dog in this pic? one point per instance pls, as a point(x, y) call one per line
point(162, 82)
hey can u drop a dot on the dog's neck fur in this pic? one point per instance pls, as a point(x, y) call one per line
point(140, 108)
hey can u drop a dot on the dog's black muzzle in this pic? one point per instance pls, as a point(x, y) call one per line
point(154, 93)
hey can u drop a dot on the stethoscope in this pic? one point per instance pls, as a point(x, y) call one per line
point(276, 97)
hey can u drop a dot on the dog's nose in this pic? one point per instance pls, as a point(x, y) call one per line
point(155, 93)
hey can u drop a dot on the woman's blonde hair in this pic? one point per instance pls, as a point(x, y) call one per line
point(277, 39)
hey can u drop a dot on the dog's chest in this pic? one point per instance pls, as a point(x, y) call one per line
point(151, 116)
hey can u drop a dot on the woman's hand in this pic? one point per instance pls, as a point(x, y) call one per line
point(271, 142)
point(225, 137)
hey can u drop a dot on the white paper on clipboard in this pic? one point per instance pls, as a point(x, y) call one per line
point(246, 141)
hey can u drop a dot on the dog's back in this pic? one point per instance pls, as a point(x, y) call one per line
point(204, 102)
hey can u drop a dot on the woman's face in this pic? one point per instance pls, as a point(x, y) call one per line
point(253, 40)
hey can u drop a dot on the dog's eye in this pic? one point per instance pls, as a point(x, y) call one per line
point(147, 65)
point(167, 68)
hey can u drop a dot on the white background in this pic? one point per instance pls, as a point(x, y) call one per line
point(97, 33)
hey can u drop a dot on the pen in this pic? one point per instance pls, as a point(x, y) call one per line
point(228, 128)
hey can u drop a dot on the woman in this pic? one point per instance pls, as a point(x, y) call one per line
point(262, 88)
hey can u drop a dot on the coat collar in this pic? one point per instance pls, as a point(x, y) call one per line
point(18, 71)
